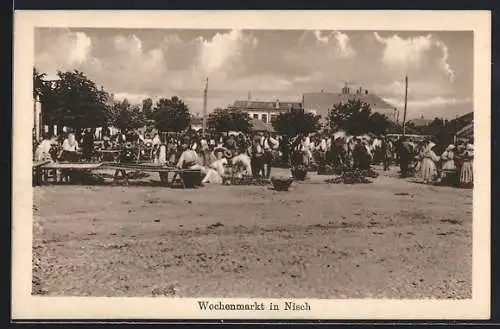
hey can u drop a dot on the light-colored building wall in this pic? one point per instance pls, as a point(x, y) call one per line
point(264, 116)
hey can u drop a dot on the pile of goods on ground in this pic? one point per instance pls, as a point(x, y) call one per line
point(325, 169)
point(245, 180)
point(355, 176)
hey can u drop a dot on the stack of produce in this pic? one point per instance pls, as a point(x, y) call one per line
point(353, 177)
point(246, 180)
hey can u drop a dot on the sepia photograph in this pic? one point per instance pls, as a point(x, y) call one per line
point(217, 163)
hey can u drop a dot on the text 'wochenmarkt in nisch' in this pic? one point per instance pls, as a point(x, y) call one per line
point(255, 306)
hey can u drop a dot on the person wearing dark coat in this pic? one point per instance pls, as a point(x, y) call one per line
point(88, 145)
point(404, 156)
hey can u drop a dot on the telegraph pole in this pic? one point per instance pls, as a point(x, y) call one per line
point(406, 103)
point(204, 126)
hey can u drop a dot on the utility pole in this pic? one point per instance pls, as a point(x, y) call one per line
point(204, 124)
point(406, 103)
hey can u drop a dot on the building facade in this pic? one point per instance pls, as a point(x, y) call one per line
point(266, 111)
point(321, 103)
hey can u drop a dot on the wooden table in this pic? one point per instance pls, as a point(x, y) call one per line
point(120, 169)
point(122, 177)
point(70, 166)
point(38, 172)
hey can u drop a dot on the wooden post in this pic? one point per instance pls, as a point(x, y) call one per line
point(406, 103)
point(204, 122)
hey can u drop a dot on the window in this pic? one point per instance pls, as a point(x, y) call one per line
point(255, 116)
point(264, 118)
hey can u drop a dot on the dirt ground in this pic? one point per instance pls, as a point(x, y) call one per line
point(389, 239)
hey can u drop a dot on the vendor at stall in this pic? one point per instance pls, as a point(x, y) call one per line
point(70, 149)
point(188, 158)
point(43, 150)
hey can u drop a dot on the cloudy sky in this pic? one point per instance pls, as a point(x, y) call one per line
point(136, 64)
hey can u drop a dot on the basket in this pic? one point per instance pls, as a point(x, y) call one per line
point(299, 173)
point(281, 184)
point(191, 178)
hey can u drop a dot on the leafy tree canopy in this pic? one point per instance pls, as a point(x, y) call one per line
point(147, 108)
point(296, 122)
point(171, 115)
point(125, 116)
point(73, 101)
point(232, 119)
point(356, 118)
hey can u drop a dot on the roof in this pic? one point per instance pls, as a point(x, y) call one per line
point(468, 117)
point(267, 105)
point(322, 102)
point(466, 131)
point(420, 122)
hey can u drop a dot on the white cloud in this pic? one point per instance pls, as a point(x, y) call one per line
point(444, 60)
point(222, 49)
point(62, 51)
point(321, 40)
point(413, 52)
point(135, 68)
point(80, 47)
point(344, 47)
point(419, 88)
point(341, 46)
point(430, 102)
point(405, 52)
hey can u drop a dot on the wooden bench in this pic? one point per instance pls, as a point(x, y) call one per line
point(38, 172)
point(66, 166)
point(121, 177)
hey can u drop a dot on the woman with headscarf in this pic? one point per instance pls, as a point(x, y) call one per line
point(43, 150)
point(448, 158)
point(466, 172)
point(215, 170)
point(429, 159)
point(188, 159)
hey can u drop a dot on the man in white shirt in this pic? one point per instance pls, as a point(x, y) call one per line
point(268, 143)
point(70, 149)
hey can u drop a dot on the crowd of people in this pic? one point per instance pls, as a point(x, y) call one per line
point(254, 154)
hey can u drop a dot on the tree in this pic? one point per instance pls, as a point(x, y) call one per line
point(226, 120)
point(147, 108)
point(74, 101)
point(379, 124)
point(39, 84)
point(296, 122)
point(171, 115)
point(126, 116)
point(355, 117)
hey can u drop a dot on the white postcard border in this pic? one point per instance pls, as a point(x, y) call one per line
point(25, 306)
